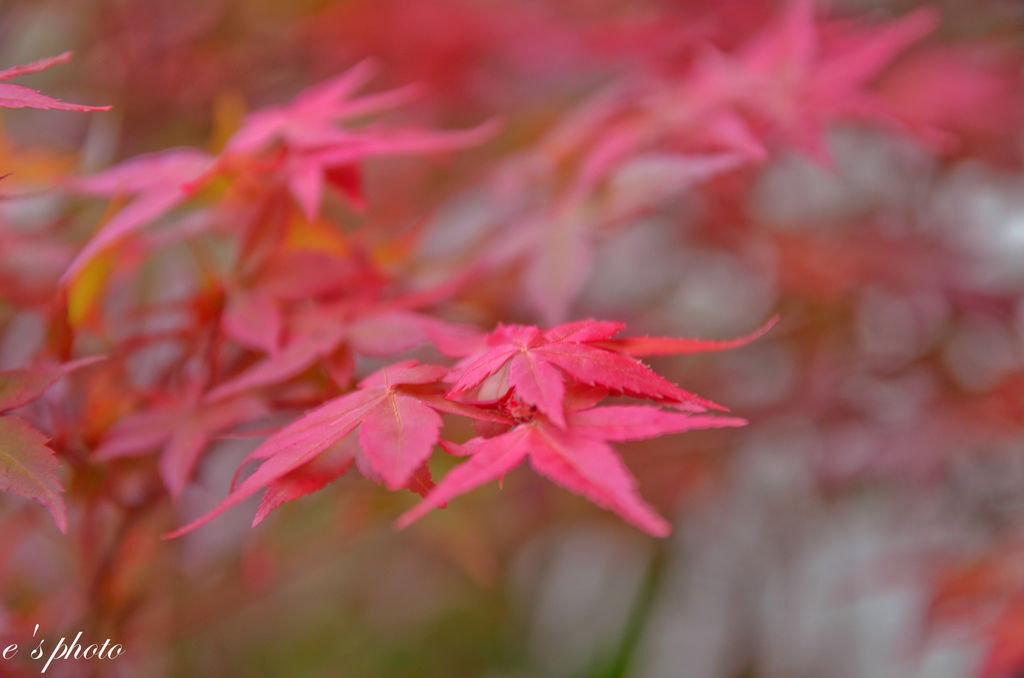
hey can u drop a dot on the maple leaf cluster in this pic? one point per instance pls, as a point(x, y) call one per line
point(298, 294)
point(537, 390)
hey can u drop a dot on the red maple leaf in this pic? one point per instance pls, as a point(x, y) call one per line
point(325, 469)
point(574, 455)
point(298, 145)
point(537, 365)
point(155, 181)
point(332, 333)
point(317, 150)
point(395, 412)
point(27, 464)
point(795, 80)
point(181, 428)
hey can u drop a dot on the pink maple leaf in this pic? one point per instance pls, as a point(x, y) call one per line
point(309, 120)
point(27, 464)
point(574, 455)
point(182, 429)
point(308, 478)
point(394, 413)
point(312, 337)
point(537, 365)
point(325, 469)
point(28, 467)
point(950, 95)
point(19, 387)
point(253, 319)
point(273, 316)
point(321, 332)
point(797, 81)
point(561, 249)
point(16, 96)
point(155, 181)
point(307, 170)
point(315, 151)
point(318, 151)
point(624, 163)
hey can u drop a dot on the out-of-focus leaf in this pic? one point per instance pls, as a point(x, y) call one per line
point(27, 467)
